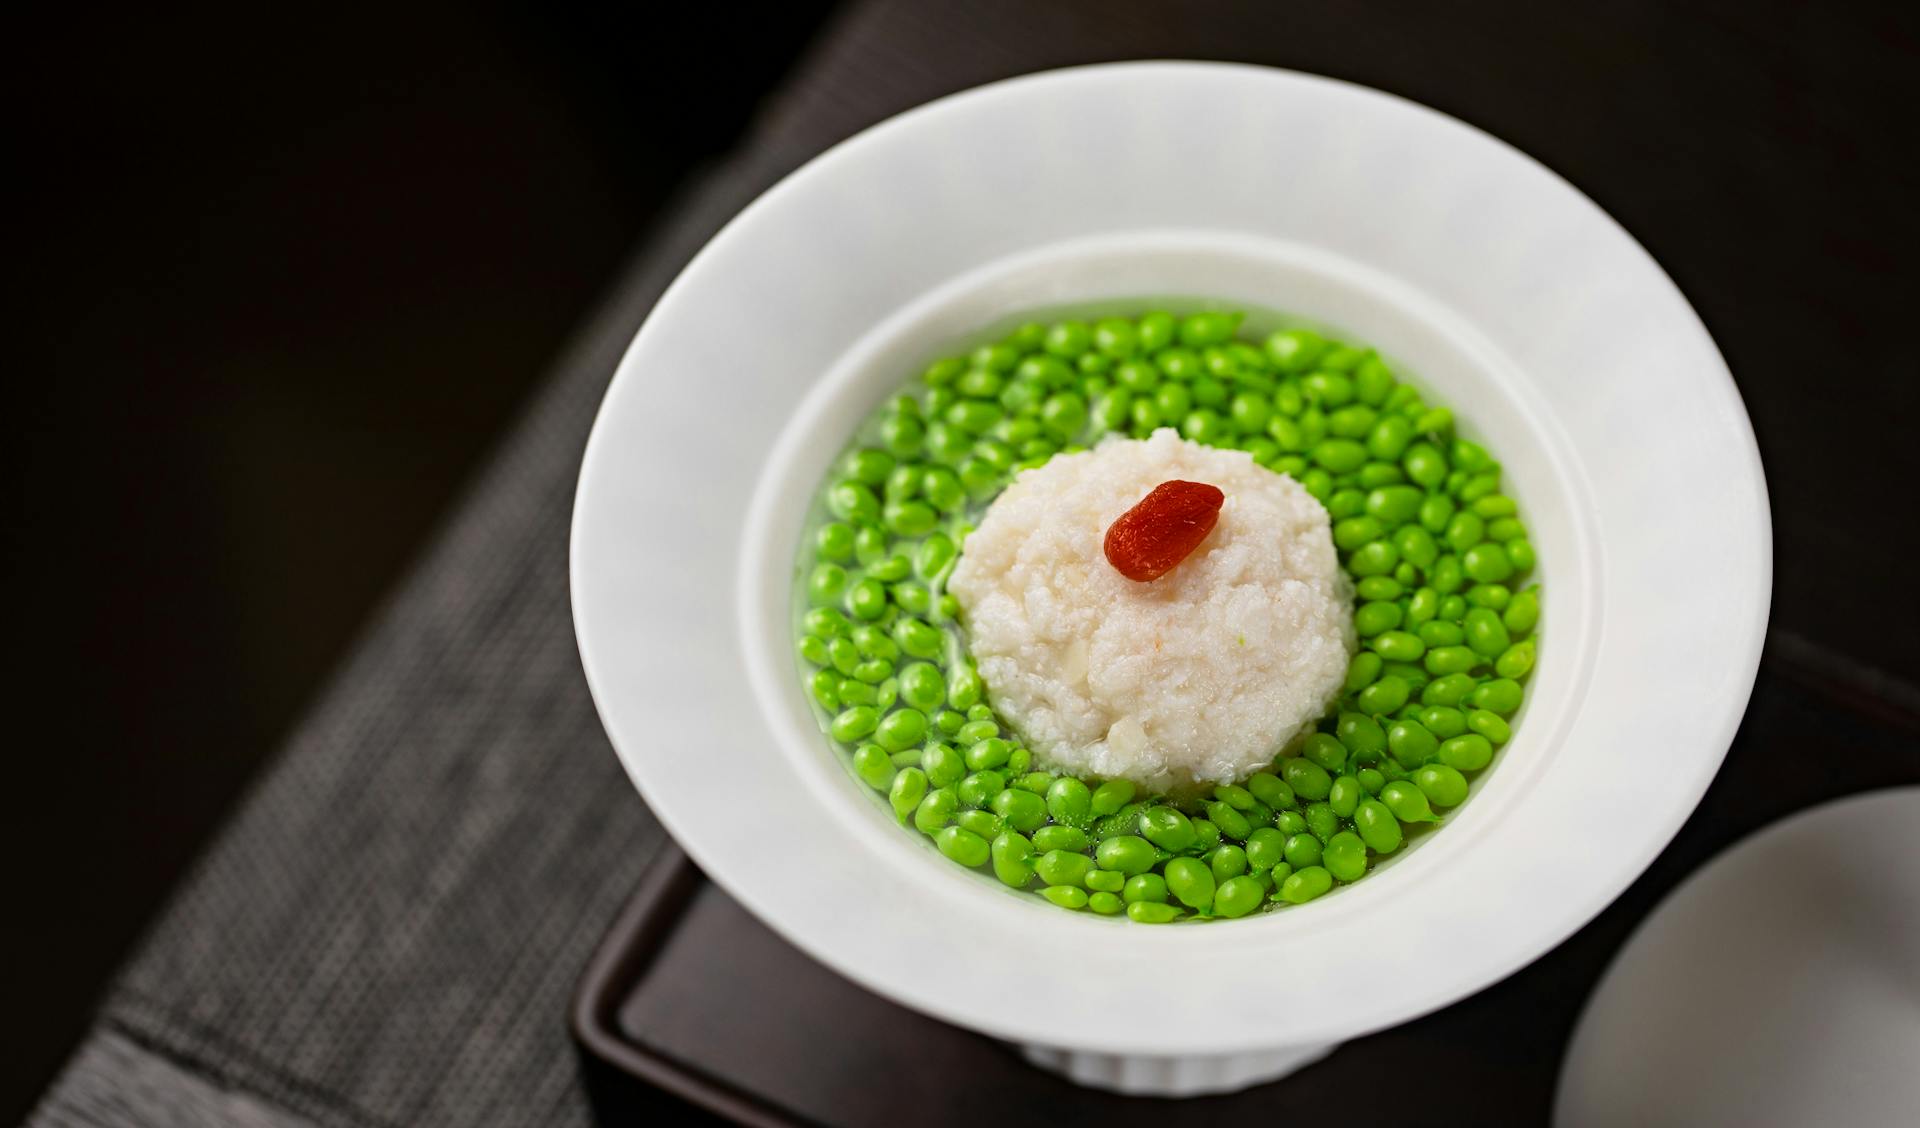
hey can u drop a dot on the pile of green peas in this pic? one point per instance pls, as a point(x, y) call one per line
point(1444, 613)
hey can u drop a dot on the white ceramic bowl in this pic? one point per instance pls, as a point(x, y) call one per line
point(1487, 279)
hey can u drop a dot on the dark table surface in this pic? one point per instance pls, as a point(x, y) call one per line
point(388, 931)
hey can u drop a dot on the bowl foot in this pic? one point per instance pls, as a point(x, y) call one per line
point(1147, 1075)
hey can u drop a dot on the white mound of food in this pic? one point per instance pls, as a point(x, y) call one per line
point(1199, 676)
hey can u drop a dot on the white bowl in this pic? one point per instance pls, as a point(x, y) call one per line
point(1487, 280)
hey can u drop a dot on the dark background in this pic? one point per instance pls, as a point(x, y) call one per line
point(282, 284)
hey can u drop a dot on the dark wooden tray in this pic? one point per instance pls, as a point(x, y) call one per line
point(691, 996)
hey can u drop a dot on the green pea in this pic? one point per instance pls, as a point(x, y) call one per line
point(1190, 882)
point(1422, 606)
point(1151, 912)
point(1416, 546)
point(1495, 505)
point(1449, 690)
point(1468, 753)
point(949, 722)
point(1126, 853)
point(1304, 885)
point(1291, 823)
point(1035, 782)
point(1115, 337)
point(1059, 867)
point(1489, 725)
point(1487, 563)
point(1451, 660)
point(1145, 887)
point(1373, 559)
point(1345, 856)
point(834, 541)
point(1321, 821)
point(873, 671)
point(1231, 823)
point(1167, 828)
point(989, 753)
point(1394, 505)
point(943, 765)
point(1384, 696)
point(936, 810)
point(867, 599)
point(1390, 437)
point(986, 824)
point(1239, 798)
point(1308, 780)
point(1345, 795)
point(1523, 613)
point(904, 794)
point(1443, 721)
point(1412, 744)
point(854, 723)
point(1362, 671)
point(1236, 897)
point(1302, 850)
point(1398, 646)
point(1110, 797)
point(825, 686)
point(1295, 350)
point(1054, 836)
point(1425, 465)
point(1515, 661)
point(1407, 802)
point(1317, 482)
point(1521, 555)
point(857, 693)
point(1106, 904)
point(901, 730)
point(1486, 634)
point(1501, 695)
point(1022, 810)
point(1493, 597)
point(1324, 750)
point(1360, 735)
point(1453, 608)
point(963, 687)
point(922, 687)
point(1339, 456)
point(1269, 789)
point(1443, 786)
point(1106, 881)
point(1436, 513)
point(1066, 896)
point(1265, 847)
point(1377, 827)
point(1376, 618)
point(1069, 801)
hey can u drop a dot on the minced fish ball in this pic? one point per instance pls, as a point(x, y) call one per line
point(1199, 676)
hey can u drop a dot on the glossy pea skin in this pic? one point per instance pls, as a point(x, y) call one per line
point(963, 846)
point(1486, 634)
point(1106, 881)
point(1059, 867)
point(1149, 887)
point(854, 723)
point(1324, 750)
point(1448, 690)
point(1376, 618)
point(943, 765)
point(1226, 861)
point(1441, 633)
point(1361, 735)
point(1066, 896)
point(1056, 836)
point(1411, 743)
point(1308, 780)
point(1265, 847)
point(936, 810)
point(1231, 823)
point(1407, 802)
point(1443, 786)
point(1398, 646)
point(1345, 856)
point(1190, 882)
point(1377, 827)
point(1468, 753)
point(1384, 696)
point(1237, 896)
point(1110, 797)
point(1371, 779)
point(1301, 850)
point(901, 730)
point(1304, 885)
point(1106, 904)
point(1271, 790)
point(1126, 853)
point(1345, 795)
point(1321, 821)
point(1363, 670)
point(1022, 810)
point(1501, 695)
point(1490, 725)
point(1167, 828)
point(1516, 661)
point(979, 789)
point(986, 824)
point(1443, 721)
point(1151, 912)
point(1522, 613)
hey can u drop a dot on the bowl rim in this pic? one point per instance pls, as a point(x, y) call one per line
point(622, 715)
